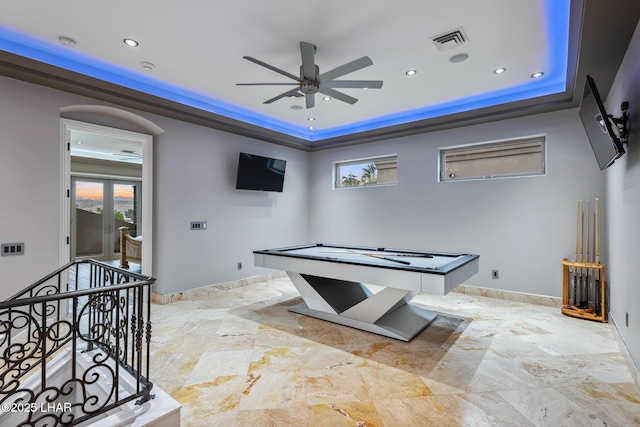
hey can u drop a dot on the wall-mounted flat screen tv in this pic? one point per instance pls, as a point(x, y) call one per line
point(600, 129)
point(260, 173)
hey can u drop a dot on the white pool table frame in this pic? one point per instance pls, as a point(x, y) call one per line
point(334, 290)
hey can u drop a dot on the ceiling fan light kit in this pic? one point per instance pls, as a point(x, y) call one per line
point(311, 81)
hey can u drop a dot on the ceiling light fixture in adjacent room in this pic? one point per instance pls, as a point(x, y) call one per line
point(537, 75)
point(499, 70)
point(130, 42)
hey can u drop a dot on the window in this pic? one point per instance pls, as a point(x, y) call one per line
point(367, 172)
point(501, 159)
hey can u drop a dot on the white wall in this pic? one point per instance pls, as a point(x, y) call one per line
point(623, 191)
point(522, 227)
point(194, 179)
point(30, 183)
point(196, 172)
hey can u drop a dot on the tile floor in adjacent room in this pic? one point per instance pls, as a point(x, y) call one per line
point(237, 357)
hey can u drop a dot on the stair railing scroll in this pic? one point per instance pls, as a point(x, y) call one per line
point(97, 316)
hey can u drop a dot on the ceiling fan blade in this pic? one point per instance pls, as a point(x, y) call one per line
point(308, 61)
point(282, 95)
point(338, 95)
point(347, 68)
point(272, 68)
point(267, 84)
point(310, 100)
point(357, 84)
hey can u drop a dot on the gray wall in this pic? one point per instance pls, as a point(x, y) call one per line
point(194, 179)
point(195, 171)
point(623, 191)
point(30, 177)
point(522, 227)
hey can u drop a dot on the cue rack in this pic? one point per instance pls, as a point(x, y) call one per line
point(583, 279)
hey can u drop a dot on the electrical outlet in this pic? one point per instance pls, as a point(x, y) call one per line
point(239, 266)
point(626, 318)
point(8, 249)
point(495, 274)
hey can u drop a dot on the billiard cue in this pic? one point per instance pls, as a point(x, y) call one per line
point(580, 252)
point(585, 294)
point(399, 261)
point(382, 254)
point(596, 249)
point(575, 258)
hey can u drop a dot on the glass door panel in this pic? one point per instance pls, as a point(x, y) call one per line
point(88, 217)
point(100, 208)
point(126, 211)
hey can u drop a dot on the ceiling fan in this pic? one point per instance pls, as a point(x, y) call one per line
point(311, 81)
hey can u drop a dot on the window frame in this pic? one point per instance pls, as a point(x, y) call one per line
point(538, 138)
point(335, 166)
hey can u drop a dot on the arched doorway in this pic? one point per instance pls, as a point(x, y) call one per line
point(71, 128)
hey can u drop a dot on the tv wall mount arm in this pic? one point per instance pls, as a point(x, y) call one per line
point(621, 123)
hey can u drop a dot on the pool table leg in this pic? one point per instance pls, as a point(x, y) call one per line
point(387, 312)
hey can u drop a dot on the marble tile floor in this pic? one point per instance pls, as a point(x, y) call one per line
point(239, 358)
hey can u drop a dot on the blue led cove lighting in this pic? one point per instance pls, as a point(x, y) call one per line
point(556, 15)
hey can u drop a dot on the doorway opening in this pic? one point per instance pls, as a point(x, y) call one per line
point(107, 177)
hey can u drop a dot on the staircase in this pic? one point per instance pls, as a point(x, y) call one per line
point(74, 351)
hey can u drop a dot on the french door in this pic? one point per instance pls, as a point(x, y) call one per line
point(99, 207)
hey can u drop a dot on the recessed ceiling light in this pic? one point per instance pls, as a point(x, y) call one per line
point(499, 70)
point(537, 75)
point(311, 119)
point(147, 65)
point(411, 73)
point(67, 41)
point(130, 42)
point(79, 142)
point(459, 58)
point(326, 98)
point(311, 127)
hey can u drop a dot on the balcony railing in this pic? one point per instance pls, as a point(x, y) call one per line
point(96, 317)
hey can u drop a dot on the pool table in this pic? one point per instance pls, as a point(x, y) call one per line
point(331, 280)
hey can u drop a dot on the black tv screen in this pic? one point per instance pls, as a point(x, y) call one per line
point(260, 173)
point(606, 145)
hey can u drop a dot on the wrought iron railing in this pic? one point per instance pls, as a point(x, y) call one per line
point(93, 317)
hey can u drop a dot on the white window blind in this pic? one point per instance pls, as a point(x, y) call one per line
point(509, 158)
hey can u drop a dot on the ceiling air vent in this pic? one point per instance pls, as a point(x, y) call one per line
point(450, 39)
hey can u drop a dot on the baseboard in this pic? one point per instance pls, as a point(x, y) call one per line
point(201, 292)
point(628, 357)
point(205, 291)
point(510, 295)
